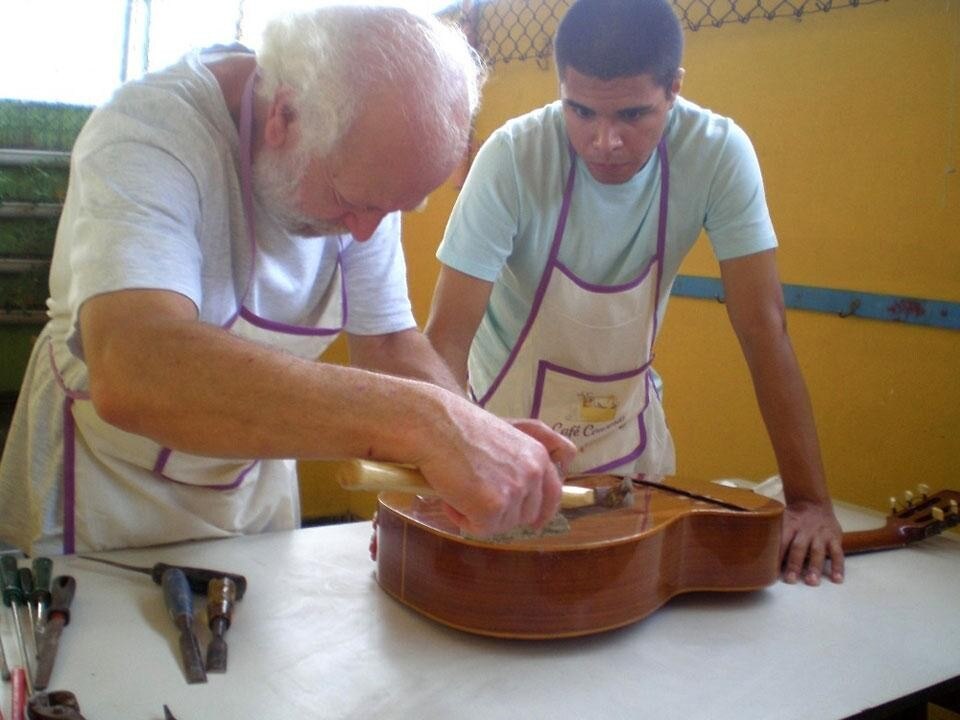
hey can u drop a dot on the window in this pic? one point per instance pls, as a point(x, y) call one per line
point(78, 52)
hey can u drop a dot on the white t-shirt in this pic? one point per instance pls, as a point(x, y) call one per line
point(155, 202)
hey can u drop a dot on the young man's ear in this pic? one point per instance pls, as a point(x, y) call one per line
point(677, 84)
point(279, 126)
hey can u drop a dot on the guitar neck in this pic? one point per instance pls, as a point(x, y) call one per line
point(862, 541)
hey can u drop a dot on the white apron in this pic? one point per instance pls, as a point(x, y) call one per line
point(582, 361)
point(123, 489)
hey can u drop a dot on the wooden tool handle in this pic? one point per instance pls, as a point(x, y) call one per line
point(379, 477)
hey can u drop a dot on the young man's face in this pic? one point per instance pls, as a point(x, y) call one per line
point(615, 125)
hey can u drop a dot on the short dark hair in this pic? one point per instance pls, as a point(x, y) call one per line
point(609, 39)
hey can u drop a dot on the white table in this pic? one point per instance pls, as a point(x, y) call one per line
point(315, 637)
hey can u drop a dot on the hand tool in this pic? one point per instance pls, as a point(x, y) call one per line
point(176, 593)
point(378, 476)
point(26, 587)
point(42, 569)
point(13, 598)
point(220, 598)
point(4, 668)
point(18, 696)
point(58, 617)
point(56, 705)
point(197, 578)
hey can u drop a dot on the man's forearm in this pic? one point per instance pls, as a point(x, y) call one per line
point(788, 416)
point(197, 388)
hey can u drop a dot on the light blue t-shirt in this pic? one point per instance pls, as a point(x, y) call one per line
point(504, 220)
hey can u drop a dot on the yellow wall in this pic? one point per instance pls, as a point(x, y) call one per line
point(854, 115)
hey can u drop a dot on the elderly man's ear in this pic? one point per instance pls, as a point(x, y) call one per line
point(280, 125)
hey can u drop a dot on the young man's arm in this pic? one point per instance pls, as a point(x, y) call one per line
point(459, 301)
point(754, 302)
point(407, 353)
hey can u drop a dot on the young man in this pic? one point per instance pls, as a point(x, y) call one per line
point(225, 219)
point(564, 243)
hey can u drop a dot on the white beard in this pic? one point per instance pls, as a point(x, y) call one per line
point(276, 185)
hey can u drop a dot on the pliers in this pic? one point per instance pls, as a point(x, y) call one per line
point(56, 705)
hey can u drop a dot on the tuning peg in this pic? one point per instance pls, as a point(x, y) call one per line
point(937, 514)
point(924, 490)
point(953, 507)
point(908, 498)
point(893, 504)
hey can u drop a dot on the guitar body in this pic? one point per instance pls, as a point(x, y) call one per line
point(612, 567)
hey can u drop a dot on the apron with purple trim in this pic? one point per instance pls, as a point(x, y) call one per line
point(94, 514)
point(583, 360)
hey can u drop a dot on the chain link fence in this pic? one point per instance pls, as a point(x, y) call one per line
point(515, 30)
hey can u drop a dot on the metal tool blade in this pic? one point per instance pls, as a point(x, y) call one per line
point(192, 659)
point(614, 496)
point(217, 655)
point(48, 652)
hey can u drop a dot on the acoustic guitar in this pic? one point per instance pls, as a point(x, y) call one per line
point(605, 569)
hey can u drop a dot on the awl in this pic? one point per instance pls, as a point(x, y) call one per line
point(58, 616)
point(380, 476)
point(197, 578)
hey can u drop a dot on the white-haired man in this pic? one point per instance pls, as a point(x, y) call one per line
point(225, 219)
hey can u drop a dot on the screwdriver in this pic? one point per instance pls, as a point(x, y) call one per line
point(12, 598)
point(220, 598)
point(4, 668)
point(42, 570)
point(197, 578)
point(26, 587)
point(176, 593)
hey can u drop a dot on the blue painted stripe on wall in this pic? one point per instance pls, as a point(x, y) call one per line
point(845, 303)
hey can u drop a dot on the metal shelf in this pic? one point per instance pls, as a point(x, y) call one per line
point(18, 158)
point(23, 317)
point(20, 265)
point(30, 210)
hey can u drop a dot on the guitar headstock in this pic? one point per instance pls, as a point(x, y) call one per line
point(917, 516)
point(924, 514)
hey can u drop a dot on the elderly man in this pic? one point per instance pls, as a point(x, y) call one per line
point(226, 218)
point(563, 246)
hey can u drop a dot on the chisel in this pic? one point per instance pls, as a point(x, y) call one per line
point(220, 599)
point(58, 616)
point(179, 600)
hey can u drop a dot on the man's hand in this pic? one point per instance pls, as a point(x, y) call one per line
point(811, 536)
point(562, 451)
point(492, 476)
